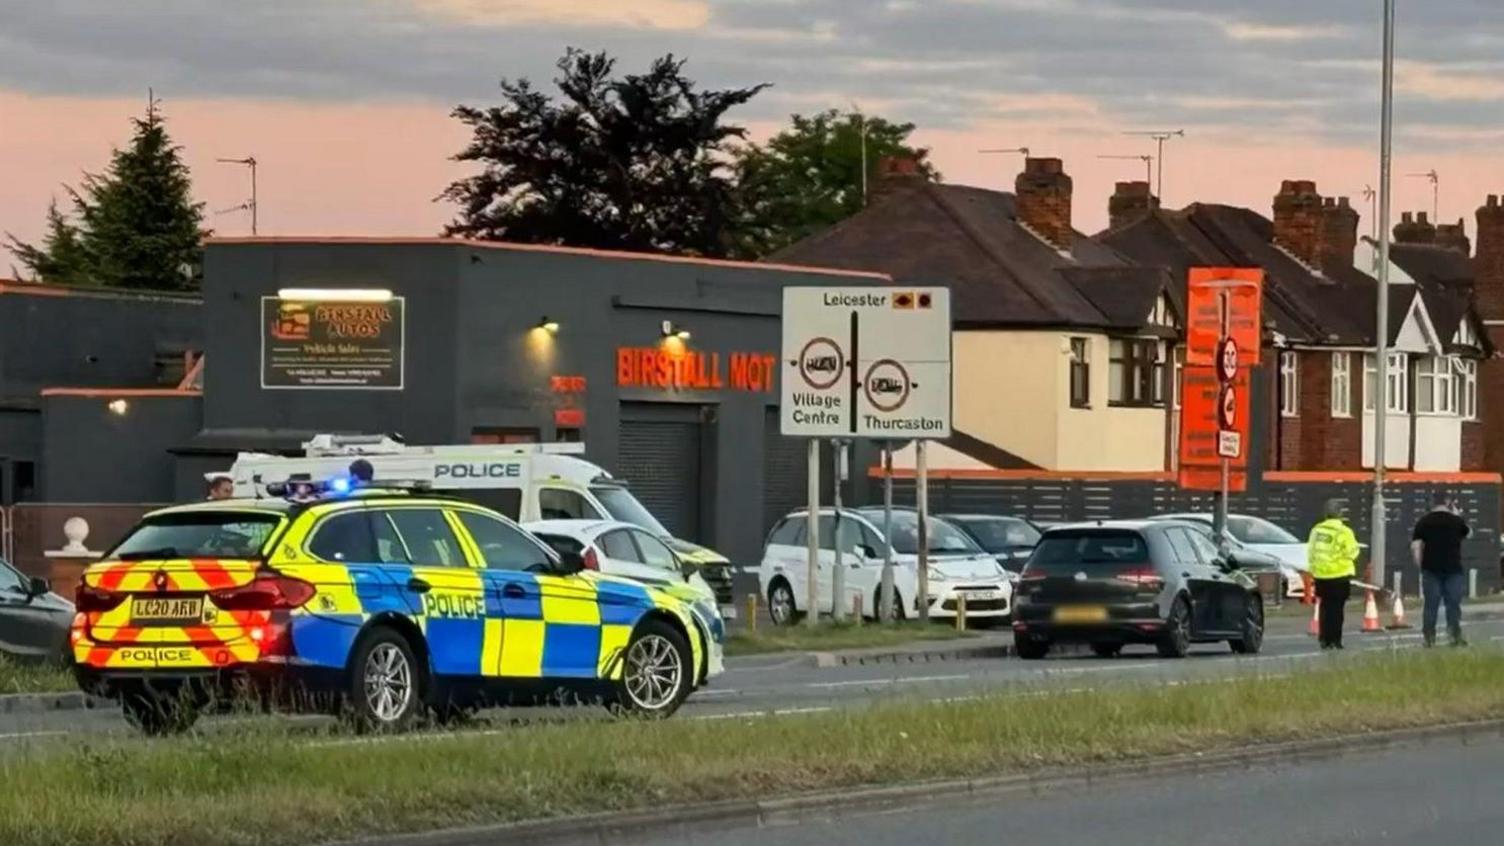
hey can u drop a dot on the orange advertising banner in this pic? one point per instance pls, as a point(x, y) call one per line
point(1203, 398)
point(1243, 288)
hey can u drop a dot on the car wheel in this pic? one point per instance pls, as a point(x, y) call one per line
point(656, 674)
point(1030, 649)
point(1106, 650)
point(1253, 629)
point(385, 682)
point(159, 713)
point(781, 608)
point(1176, 641)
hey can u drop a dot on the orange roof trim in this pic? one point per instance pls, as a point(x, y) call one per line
point(10, 286)
point(544, 248)
point(1055, 475)
point(119, 393)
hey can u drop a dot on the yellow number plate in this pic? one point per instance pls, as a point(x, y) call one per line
point(177, 608)
point(1080, 614)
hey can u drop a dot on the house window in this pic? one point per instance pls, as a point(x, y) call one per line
point(1342, 384)
point(1080, 373)
point(1465, 388)
point(1178, 375)
point(1289, 384)
point(1135, 372)
point(1433, 386)
point(1397, 396)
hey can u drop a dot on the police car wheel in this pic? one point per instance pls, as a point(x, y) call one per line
point(656, 673)
point(384, 690)
point(158, 713)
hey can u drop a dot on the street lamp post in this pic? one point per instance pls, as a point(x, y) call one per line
point(1381, 380)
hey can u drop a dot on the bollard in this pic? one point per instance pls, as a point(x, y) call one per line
point(960, 612)
point(752, 613)
point(856, 610)
point(1472, 583)
point(1399, 583)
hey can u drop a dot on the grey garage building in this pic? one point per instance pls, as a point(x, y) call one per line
point(666, 368)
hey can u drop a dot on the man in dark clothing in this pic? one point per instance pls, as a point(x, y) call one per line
point(361, 472)
point(1437, 548)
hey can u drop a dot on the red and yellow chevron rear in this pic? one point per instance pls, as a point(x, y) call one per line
point(180, 614)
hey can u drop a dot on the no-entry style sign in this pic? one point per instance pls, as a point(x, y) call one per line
point(867, 363)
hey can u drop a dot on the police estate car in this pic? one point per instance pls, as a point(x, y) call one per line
point(377, 604)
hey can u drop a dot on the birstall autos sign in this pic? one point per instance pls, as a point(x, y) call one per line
point(866, 363)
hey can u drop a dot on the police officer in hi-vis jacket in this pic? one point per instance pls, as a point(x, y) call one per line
point(1333, 558)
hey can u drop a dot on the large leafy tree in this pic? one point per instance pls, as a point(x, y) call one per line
point(635, 162)
point(133, 226)
point(809, 177)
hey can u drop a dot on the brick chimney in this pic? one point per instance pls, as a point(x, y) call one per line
point(1339, 233)
point(1043, 199)
point(1453, 236)
point(895, 175)
point(1488, 264)
point(1131, 201)
point(1298, 219)
point(1414, 229)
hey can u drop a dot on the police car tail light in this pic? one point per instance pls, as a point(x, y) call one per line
point(95, 599)
point(592, 561)
point(266, 592)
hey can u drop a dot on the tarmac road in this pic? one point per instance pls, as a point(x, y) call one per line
point(756, 687)
point(1445, 791)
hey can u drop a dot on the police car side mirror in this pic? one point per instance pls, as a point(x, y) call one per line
point(570, 563)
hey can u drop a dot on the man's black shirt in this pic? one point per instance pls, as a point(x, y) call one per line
point(1441, 534)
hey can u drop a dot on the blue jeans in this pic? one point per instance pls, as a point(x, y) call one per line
point(1438, 589)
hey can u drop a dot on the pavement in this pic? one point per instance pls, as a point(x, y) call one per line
point(759, 687)
point(1436, 790)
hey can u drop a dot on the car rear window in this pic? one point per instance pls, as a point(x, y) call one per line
point(198, 534)
point(998, 534)
point(1077, 550)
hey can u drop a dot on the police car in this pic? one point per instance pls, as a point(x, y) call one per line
point(377, 604)
point(525, 482)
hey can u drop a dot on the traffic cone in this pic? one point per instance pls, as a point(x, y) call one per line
point(1315, 628)
point(1397, 614)
point(1371, 614)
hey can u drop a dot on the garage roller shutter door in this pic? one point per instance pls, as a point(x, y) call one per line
point(660, 461)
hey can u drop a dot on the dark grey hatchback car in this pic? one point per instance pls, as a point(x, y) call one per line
point(1114, 583)
point(34, 621)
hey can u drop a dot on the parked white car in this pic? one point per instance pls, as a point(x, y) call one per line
point(1260, 535)
point(629, 551)
point(957, 566)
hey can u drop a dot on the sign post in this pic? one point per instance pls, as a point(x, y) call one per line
point(838, 572)
point(812, 535)
point(866, 363)
point(885, 586)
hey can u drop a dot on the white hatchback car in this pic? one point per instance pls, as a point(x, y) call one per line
point(958, 567)
point(629, 551)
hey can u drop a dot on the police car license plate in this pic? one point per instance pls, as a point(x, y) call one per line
point(1080, 614)
point(981, 595)
point(148, 609)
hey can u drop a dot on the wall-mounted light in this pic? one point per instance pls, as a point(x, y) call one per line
point(336, 295)
point(118, 407)
point(672, 331)
point(548, 325)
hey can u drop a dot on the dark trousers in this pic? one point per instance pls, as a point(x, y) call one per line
point(1448, 589)
point(1333, 594)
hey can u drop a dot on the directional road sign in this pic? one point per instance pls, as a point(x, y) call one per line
point(866, 363)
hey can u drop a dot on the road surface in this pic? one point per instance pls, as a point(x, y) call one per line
point(1443, 792)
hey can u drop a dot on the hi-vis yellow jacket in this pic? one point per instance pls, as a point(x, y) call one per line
point(1333, 550)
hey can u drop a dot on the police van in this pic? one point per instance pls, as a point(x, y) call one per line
point(527, 482)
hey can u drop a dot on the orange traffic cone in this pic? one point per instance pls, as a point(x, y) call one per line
point(1371, 614)
point(1397, 614)
point(1315, 628)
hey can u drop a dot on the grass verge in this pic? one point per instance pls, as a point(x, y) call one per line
point(828, 636)
point(258, 786)
point(31, 678)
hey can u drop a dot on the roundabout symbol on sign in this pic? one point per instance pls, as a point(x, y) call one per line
point(821, 363)
point(1227, 409)
point(886, 385)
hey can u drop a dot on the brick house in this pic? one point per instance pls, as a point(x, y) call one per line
point(1062, 345)
point(1319, 306)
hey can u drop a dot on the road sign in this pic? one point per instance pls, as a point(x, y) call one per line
point(1227, 359)
point(866, 363)
point(1205, 325)
point(1229, 444)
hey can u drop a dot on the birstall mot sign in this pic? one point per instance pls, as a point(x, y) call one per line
point(866, 363)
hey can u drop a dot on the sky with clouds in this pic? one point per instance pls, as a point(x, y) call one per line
point(345, 102)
